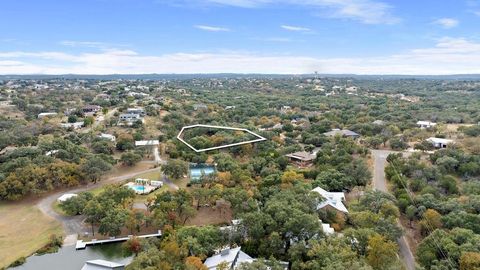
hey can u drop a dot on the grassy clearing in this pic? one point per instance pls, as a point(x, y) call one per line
point(23, 230)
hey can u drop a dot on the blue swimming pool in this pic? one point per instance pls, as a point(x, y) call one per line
point(197, 171)
point(138, 188)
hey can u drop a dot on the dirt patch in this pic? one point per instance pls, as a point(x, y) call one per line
point(211, 216)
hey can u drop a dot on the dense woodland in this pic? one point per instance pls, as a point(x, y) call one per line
point(436, 194)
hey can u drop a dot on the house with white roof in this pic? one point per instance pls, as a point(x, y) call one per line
point(439, 142)
point(106, 136)
point(46, 114)
point(332, 200)
point(426, 124)
point(66, 196)
point(147, 143)
point(102, 265)
point(234, 257)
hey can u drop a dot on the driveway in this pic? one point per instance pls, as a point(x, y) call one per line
point(75, 225)
point(380, 183)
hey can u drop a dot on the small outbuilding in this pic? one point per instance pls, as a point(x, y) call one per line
point(66, 196)
point(102, 265)
point(440, 142)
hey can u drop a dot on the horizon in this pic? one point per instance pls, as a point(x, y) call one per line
point(361, 37)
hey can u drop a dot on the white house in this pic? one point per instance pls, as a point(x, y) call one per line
point(139, 111)
point(102, 265)
point(46, 114)
point(66, 196)
point(129, 118)
point(147, 143)
point(107, 137)
point(232, 256)
point(439, 142)
point(332, 199)
point(426, 124)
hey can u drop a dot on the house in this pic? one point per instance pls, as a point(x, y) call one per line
point(91, 109)
point(102, 265)
point(200, 107)
point(333, 200)
point(439, 142)
point(230, 107)
point(147, 143)
point(139, 111)
point(426, 124)
point(285, 109)
point(327, 230)
point(301, 159)
point(342, 132)
point(66, 196)
point(75, 125)
point(129, 118)
point(234, 257)
point(46, 114)
point(107, 137)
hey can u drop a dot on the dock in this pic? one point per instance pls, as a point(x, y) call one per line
point(83, 245)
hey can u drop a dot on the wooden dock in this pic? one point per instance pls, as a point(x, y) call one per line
point(83, 245)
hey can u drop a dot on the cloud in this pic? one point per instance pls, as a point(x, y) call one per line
point(447, 23)
point(448, 56)
point(365, 11)
point(295, 28)
point(211, 28)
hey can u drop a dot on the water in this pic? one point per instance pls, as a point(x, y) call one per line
point(196, 172)
point(68, 258)
point(138, 188)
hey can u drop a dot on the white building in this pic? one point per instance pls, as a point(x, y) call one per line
point(147, 143)
point(426, 124)
point(331, 199)
point(66, 196)
point(107, 137)
point(102, 265)
point(439, 142)
point(139, 111)
point(46, 114)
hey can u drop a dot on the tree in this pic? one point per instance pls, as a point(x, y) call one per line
point(94, 167)
point(195, 263)
point(76, 205)
point(103, 147)
point(470, 261)
point(88, 121)
point(113, 221)
point(175, 168)
point(411, 212)
point(130, 158)
point(431, 220)
point(72, 118)
point(381, 252)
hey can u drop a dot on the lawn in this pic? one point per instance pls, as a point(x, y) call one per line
point(23, 230)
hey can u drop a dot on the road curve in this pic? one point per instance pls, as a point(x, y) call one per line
point(380, 183)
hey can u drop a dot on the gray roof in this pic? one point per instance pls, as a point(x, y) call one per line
point(303, 156)
point(342, 132)
point(233, 256)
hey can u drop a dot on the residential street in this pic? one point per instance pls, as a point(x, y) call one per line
point(380, 183)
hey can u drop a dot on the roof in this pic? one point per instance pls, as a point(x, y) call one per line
point(334, 199)
point(66, 196)
point(426, 123)
point(303, 156)
point(233, 256)
point(147, 143)
point(439, 140)
point(101, 265)
point(342, 132)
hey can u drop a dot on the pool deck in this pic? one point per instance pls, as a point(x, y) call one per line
point(83, 245)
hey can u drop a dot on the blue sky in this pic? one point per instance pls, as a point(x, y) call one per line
point(244, 36)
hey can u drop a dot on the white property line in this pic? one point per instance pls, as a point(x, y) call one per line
point(179, 137)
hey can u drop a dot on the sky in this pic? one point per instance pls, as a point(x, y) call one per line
point(415, 37)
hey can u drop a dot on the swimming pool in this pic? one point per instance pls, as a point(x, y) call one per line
point(138, 188)
point(196, 172)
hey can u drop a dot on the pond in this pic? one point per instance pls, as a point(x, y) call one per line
point(69, 258)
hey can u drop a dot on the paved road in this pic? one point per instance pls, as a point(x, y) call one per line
point(74, 225)
point(380, 183)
